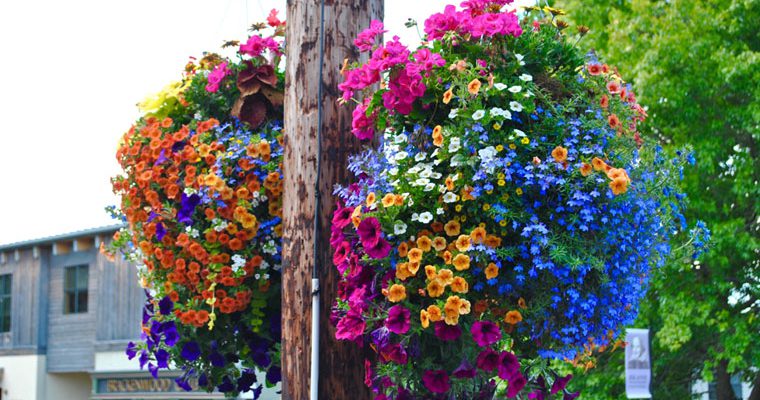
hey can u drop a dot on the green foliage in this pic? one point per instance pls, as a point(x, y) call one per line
point(696, 65)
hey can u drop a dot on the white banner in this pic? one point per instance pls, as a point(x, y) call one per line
point(638, 369)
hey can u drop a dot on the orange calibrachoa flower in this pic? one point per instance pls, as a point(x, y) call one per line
point(491, 271)
point(424, 319)
point(435, 288)
point(459, 285)
point(445, 276)
point(474, 87)
point(437, 136)
point(424, 243)
point(439, 243)
point(513, 317)
point(396, 293)
point(619, 185)
point(388, 200)
point(452, 228)
point(415, 255)
point(461, 262)
point(598, 163)
point(559, 154)
point(448, 95)
point(434, 313)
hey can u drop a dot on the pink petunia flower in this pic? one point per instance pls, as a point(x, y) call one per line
point(485, 333)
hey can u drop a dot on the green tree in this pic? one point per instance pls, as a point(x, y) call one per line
point(696, 64)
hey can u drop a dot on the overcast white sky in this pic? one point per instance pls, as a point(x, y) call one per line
point(72, 72)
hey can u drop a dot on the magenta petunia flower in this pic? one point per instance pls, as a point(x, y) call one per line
point(515, 385)
point(487, 360)
point(447, 332)
point(370, 232)
point(485, 333)
point(342, 216)
point(216, 76)
point(380, 250)
point(464, 370)
point(395, 353)
point(398, 319)
point(341, 253)
point(350, 327)
point(508, 365)
point(436, 381)
point(560, 383)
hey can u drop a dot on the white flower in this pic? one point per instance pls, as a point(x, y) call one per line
point(526, 78)
point(400, 138)
point(429, 187)
point(500, 112)
point(453, 113)
point(487, 154)
point(478, 114)
point(415, 169)
point(402, 155)
point(399, 228)
point(426, 217)
point(499, 86)
point(449, 197)
point(415, 217)
point(515, 89)
point(419, 156)
point(435, 153)
point(421, 182)
point(528, 93)
point(427, 173)
point(520, 58)
point(393, 171)
point(519, 133)
point(189, 191)
point(439, 211)
point(454, 145)
point(515, 106)
point(436, 175)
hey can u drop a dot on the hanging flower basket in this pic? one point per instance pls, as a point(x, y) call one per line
point(201, 196)
point(510, 214)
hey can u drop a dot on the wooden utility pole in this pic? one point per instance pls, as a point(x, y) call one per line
point(341, 364)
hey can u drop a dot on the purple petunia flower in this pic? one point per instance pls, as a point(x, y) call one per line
point(131, 350)
point(485, 333)
point(436, 381)
point(560, 383)
point(191, 351)
point(447, 332)
point(165, 306)
point(380, 250)
point(487, 360)
point(184, 384)
point(369, 231)
point(350, 327)
point(516, 384)
point(398, 319)
point(508, 365)
point(187, 208)
point(171, 336)
point(162, 358)
point(394, 352)
point(464, 370)
point(160, 231)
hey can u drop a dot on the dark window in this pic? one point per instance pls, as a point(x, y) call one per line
point(5, 303)
point(75, 289)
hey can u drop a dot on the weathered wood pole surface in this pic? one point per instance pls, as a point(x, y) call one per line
point(341, 364)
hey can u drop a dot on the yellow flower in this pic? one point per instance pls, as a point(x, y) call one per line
point(503, 222)
point(371, 199)
point(461, 262)
point(497, 126)
point(512, 146)
point(492, 271)
point(463, 243)
point(445, 276)
point(458, 207)
point(501, 182)
point(396, 293)
point(356, 217)
point(434, 313)
point(439, 243)
point(415, 255)
point(452, 228)
point(525, 140)
point(435, 288)
point(519, 191)
point(464, 307)
point(424, 319)
point(388, 200)
point(459, 285)
point(430, 272)
point(424, 243)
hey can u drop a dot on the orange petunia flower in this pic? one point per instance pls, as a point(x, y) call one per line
point(435, 288)
point(474, 87)
point(424, 243)
point(434, 313)
point(452, 228)
point(439, 243)
point(459, 285)
point(396, 293)
point(463, 243)
point(598, 164)
point(492, 271)
point(559, 154)
point(447, 95)
point(461, 262)
point(513, 317)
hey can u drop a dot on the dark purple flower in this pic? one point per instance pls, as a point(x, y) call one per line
point(369, 231)
point(571, 396)
point(560, 383)
point(131, 350)
point(184, 384)
point(380, 337)
point(274, 374)
point(487, 360)
point(436, 381)
point(226, 385)
point(153, 370)
point(516, 384)
point(380, 250)
point(508, 365)
point(165, 306)
point(485, 333)
point(161, 159)
point(350, 327)
point(217, 359)
point(447, 332)
point(398, 319)
point(144, 358)
point(160, 231)
point(342, 217)
point(191, 351)
point(246, 380)
point(171, 336)
point(162, 358)
point(464, 370)
point(202, 380)
point(261, 357)
point(187, 208)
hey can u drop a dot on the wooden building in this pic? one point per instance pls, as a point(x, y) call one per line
point(66, 316)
